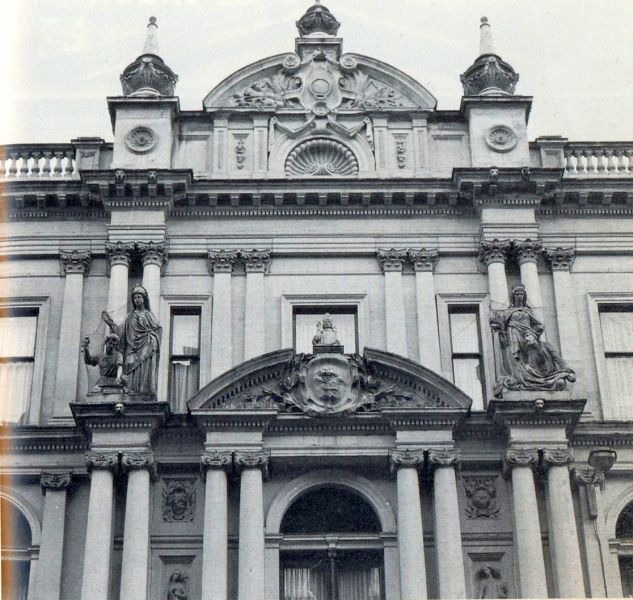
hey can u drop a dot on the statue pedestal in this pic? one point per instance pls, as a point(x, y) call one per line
point(112, 393)
point(535, 396)
point(327, 348)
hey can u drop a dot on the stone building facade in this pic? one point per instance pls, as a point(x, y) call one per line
point(365, 348)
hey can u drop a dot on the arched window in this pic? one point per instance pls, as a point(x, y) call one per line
point(331, 548)
point(624, 534)
point(15, 541)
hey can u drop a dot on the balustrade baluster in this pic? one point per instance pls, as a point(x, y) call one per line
point(69, 165)
point(24, 168)
point(58, 162)
point(612, 164)
point(35, 169)
point(568, 163)
point(13, 169)
point(600, 162)
point(629, 156)
point(580, 164)
point(46, 169)
point(620, 163)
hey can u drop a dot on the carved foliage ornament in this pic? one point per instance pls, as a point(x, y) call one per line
point(137, 460)
point(423, 259)
point(501, 138)
point(141, 139)
point(444, 457)
point(55, 481)
point(318, 18)
point(481, 495)
point(75, 262)
point(407, 458)
point(401, 151)
point(527, 250)
point(257, 459)
point(494, 251)
point(179, 501)
point(391, 259)
point(321, 157)
point(222, 261)
point(561, 259)
point(217, 459)
point(101, 460)
point(520, 457)
point(557, 457)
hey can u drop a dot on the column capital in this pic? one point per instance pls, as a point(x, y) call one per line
point(519, 457)
point(444, 457)
point(527, 250)
point(494, 251)
point(222, 261)
point(560, 259)
point(588, 476)
point(74, 262)
point(412, 458)
point(152, 253)
point(119, 253)
point(252, 459)
point(423, 259)
point(132, 461)
point(216, 459)
point(55, 480)
point(391, 259)
point(256, 261)
point(557, 457)
point(102, 460)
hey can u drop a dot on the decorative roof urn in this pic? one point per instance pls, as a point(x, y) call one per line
point(317, 21)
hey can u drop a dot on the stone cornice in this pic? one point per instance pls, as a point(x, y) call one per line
point(35, 440)
point(560, 259)
point(391, 259)
point(222, 261)
point(126, 414)
point(74, 261)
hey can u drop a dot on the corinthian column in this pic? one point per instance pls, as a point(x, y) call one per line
point(215, 530)
point(410, 532)
point(392, 261)
point(221, 263)
point(257, 264)
point(95, 584)
point(448, 535)
point(153, 257)
point(527, 253)
point(561, 261)
point(135, 563)
point(74, 266)
point(118, 255)
point(253, 467)
point(48, 575)
point(563, 535)
point(424, 262)
point(529, 548)
point(494, 255)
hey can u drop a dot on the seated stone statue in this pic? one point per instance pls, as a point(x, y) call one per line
point(528, 361)
point(110, 363)
point(326, 333)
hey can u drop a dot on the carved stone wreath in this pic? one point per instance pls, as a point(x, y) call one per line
point(321, 157)
point(141, 139)
point(179, 501)
point(501, 138)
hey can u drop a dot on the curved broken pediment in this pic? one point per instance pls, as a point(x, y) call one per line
point(329, 384)
point(319, 83)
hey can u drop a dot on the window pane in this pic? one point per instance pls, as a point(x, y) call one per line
point(620, 378)
point(184, 382)
point(466, 375)
point(17, 336)
point(185, 335)
point(309, 583)
point(359, 583)
point(617, 331)
point(15, 390)
point(305, 330)
point(464, 333)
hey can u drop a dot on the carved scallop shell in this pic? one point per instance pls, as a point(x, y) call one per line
point(321, 157)
point(501, 138)
point(141, 139)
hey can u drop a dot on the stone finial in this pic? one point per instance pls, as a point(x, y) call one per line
point(391, 259)
point(74, 262)
point(256, 261)
point(488, 74)
point(406, 458)
point(318, 20)
point(527, 250)
point(494, 251)
point(148, 75)
point(55, 481)
point(222, 261)
point(423, 259)
point(560, 259)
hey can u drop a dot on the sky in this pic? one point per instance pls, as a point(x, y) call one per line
point(62, 58)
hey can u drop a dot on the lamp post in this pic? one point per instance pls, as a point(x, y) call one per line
point(600, 460)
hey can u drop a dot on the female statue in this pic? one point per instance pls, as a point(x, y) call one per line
point(528, 362)
point(140, 343)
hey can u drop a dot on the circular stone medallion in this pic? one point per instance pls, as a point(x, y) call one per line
point(141, 139)
point(501, 138)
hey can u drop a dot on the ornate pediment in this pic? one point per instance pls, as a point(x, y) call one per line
point(319, 83)
point(328, 384)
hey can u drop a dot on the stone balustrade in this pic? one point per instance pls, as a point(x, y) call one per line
point(598, 159)
point(18, 161)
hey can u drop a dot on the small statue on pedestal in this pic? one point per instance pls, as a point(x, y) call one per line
point(326, 339)
point(110, 363)
point(178, 586)
point(527, 361)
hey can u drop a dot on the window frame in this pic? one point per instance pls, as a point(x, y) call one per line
point(479, 301)
point(41, 304)
point(595, 300)
point(183, 311)
point(203, 303)
point(289, 302)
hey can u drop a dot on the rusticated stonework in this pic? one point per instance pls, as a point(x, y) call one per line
point(179, 501)
point(481, 497)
